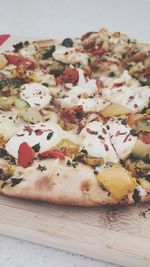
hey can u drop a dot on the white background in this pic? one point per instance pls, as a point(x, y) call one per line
point(65, 18)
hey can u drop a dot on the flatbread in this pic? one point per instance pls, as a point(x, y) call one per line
point(74, 120)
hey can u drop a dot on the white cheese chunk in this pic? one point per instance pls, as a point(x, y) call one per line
point(93, 104)
point(70, 55)
point(35, 134)
point(134, 98)
point(36, 94)
point(125, 79)
point(95, 139)
point(120, 137)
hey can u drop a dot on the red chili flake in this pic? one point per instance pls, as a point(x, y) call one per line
point(38, 132)
point(91, 131)
point(25, 155)
point(20, 135)
point(28, 129)
point(104, 131)
point(126, 138)
point(106, 147)
point(118, 84)
point(131, 97)
point(119, 133)
point(135, 105)
point(99, 84)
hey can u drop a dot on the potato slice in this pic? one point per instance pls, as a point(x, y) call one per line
point(141, 150)
point(114, 110)
point(117, 180)
point(3, 61)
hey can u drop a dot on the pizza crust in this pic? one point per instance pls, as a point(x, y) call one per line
point(60, 184)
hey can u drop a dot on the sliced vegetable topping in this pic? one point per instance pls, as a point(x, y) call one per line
point(20, 61)
point(25, 155)
point(70, 75)
point(54, 153)
point(145, 137)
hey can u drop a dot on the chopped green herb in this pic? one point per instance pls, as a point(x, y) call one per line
point(45, 84)
point(41, 168)
point(49, 52)
point(124, 121)
point(95, 172)
point(36, 147)
point(133, 132)
point(101, 137)
point(49, 136)
point(16, 181)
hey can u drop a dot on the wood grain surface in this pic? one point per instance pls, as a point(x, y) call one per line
point(116, 234)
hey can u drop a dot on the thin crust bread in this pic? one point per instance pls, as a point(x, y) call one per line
point(61, 184)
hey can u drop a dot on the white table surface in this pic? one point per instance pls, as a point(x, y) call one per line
point(65, 18)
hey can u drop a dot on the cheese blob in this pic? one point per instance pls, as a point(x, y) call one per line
point(95, 139)
point(35, 94)
point(121, 137)
point(70, 55)
point(125, 79)
point(47, 135)
point(134, 98)
point(93, 104)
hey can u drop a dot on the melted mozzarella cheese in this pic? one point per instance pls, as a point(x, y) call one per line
point(131, 97)
point(93, 104)
point(89, 87)
point(10, 123)
point(36, 94)
point(120, 137)
point(125, 78)
point(70, 55)
point(41, 77)
point(97, 143)
point(35, 134)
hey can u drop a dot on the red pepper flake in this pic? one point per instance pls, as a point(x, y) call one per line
point(106, 147)
point(104, 131)
point(28, 129)
point(20, 135)
point(131, 97)
point(118, 84)
point(91, 131)
point(38, 132)
point(119, 133)
point(25, 155)
point(54, 153)
point(135, 105)
point(126, 138)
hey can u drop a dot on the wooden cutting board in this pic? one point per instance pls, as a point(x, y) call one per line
point(115, 234)
point(119, 235)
